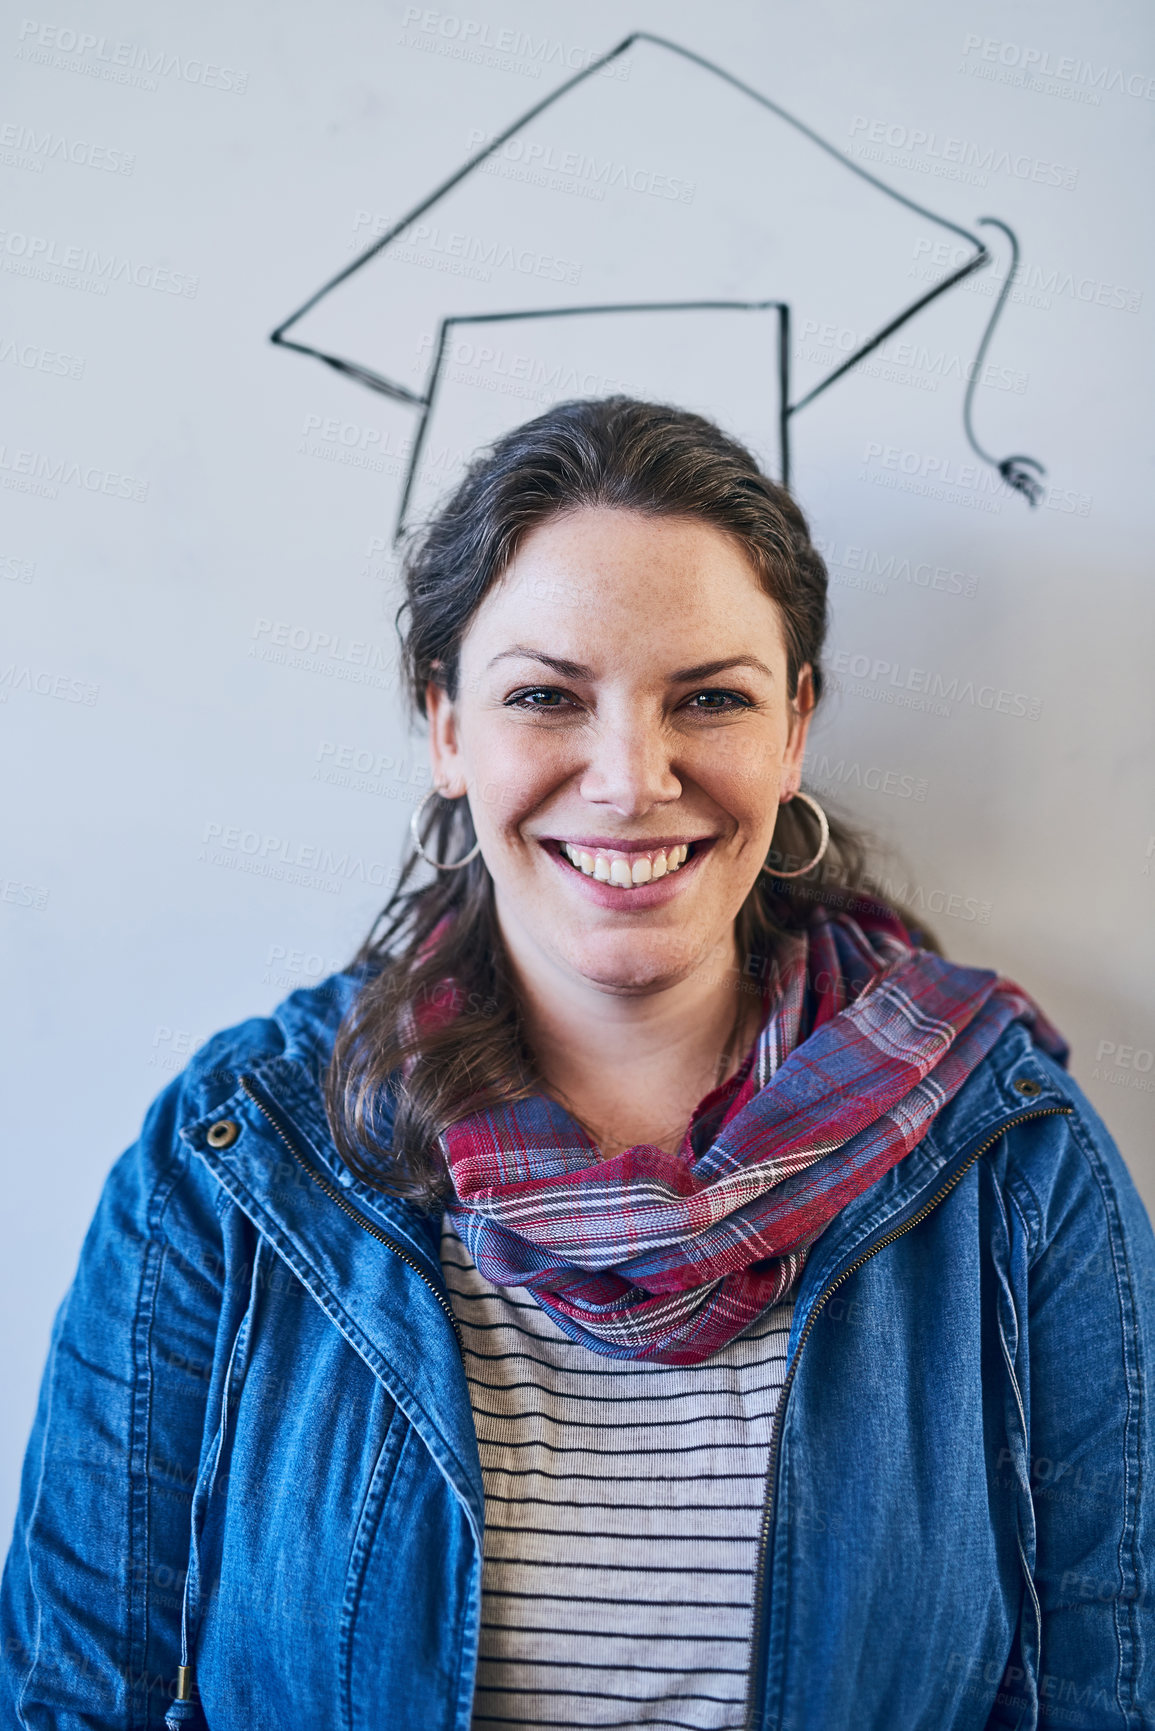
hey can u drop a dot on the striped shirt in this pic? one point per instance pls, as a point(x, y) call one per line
point(623, 1511)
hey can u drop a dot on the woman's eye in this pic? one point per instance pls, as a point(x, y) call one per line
point(538, 697)
point(718, 702)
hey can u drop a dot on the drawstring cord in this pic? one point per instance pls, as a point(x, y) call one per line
point(183, 1710)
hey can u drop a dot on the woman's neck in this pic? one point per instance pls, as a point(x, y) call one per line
point(632, 1067)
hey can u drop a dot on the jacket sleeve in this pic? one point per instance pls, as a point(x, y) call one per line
point(91, 1596)
point(1091, 1328)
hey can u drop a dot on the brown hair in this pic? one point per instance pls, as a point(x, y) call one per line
point(615, 452)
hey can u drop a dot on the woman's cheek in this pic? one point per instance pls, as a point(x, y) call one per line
point(512, 778)
point(740, 767)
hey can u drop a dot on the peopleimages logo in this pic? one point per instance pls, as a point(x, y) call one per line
point(173, 1047)
point(543, 164)
point(351, 445)
point(1047, 282)
point(1129, 1066)
point(901, 361)
point(41, 682)
point(119, 62)
point(22, 895)
point(929, 152)
point(432, 247)
point(505, 50)
point(877, 570)
point(24, 147)
point(833, 775)
point(14, 570)
point(924, 688)
point(40, 360)
point(363, 770)
point(83, 267)
point(491, 366)
point(36, 472)
point(955, 904)
point(352, 659)
point(310, 865)
point(1031, 66)
point(970, 484)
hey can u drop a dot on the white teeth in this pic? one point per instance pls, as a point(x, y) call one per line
point(625, 870)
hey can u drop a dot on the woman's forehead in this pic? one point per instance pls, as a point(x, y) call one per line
point(595, 537)
point(604, 587)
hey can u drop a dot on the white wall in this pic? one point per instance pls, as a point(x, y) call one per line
point(136, 712)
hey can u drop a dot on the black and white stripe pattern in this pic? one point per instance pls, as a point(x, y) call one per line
point(623, 1509)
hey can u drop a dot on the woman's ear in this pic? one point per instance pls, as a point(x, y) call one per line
point(801, 710)
point(444, 748)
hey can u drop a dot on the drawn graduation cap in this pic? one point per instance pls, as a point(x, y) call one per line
point(654, 225)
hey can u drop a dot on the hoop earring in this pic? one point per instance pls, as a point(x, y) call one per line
point(439, 865)
point(824, 831)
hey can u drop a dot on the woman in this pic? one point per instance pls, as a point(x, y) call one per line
point(651, 1286)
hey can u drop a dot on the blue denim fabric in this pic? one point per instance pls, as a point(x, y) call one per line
point(255, 1419)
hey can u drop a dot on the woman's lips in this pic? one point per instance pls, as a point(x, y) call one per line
point(636, 874)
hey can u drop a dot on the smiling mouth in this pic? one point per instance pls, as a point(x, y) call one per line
point(627, 868)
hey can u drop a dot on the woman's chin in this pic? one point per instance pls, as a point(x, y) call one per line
point(631, 962)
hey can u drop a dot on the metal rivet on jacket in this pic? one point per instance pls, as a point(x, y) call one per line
point(223, 1133)
point(1024, 1085)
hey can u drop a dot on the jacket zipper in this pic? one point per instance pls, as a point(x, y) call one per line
point(776, 1430)
point(334, 1195)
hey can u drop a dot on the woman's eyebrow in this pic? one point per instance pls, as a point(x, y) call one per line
point(575, 670)
point(571, 669)
point(707, 669)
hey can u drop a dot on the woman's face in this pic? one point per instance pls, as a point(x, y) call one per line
point(622, 697)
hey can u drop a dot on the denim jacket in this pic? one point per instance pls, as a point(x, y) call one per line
point(255, 1423)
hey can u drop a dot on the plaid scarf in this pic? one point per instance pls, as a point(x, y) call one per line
point(660, 1256)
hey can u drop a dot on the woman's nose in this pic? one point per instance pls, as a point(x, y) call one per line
point(629, 766)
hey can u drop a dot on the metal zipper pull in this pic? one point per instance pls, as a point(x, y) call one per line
point(183, 1709)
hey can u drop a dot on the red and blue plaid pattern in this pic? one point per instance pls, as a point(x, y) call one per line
point(661, 1256)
